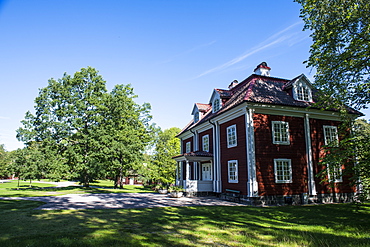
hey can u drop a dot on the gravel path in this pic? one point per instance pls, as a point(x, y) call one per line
point(122, 200)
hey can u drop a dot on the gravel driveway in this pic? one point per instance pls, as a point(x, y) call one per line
point(122, 200)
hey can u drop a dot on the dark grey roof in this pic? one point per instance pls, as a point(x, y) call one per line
point(261, 89)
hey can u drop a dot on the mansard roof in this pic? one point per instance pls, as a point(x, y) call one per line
point(259, 89)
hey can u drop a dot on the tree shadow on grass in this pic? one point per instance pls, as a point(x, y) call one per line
point(189, 226)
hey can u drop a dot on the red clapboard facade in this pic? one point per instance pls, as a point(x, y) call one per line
point(261, 139)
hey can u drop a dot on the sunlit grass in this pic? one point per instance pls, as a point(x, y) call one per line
point(317, 225)
point(108, 185)
point(11, 189)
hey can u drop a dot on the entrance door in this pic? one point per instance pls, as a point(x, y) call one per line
point(206, 171)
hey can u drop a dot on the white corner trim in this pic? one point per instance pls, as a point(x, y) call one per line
point(309, 156)
point(252, 184)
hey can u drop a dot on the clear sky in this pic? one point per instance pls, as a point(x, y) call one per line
point(173, 52)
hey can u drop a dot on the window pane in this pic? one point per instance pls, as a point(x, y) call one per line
point(231, 136)
point(280, 132)
point(233, 171)
point(331, 135)
point(283, 171)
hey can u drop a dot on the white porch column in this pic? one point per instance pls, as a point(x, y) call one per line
point(187, 173)
point(195, 175)
point(177, 174)
point(311, 178)
point(252, 184)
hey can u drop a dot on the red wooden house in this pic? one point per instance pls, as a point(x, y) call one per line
point(260, 137)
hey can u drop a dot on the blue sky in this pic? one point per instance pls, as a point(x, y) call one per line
point(173, 53)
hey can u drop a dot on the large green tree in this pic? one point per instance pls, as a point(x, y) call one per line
point(163, 166)
point(4, 162)
point(340, 52)
point(125, 133)
point(82, 128)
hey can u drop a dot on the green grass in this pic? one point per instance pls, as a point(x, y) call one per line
point(319, 225)
point(10, 189)
point(109, 186)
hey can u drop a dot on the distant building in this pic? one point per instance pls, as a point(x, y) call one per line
point(260, 138)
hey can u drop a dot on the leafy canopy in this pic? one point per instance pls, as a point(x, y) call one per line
point(83, 131)
point(341, 48)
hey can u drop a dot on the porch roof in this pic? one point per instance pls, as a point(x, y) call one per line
point(196, 156)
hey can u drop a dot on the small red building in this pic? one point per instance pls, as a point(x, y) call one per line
point(262, 139)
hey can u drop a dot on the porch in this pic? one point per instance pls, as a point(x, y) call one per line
point(194, 171)
point(196, 185)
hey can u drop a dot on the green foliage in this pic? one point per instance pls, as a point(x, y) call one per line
point(340, 53)
point(353, 152)
point(341, 48)
point(362, 168)
point(162, 167)
point(175, 189)
point(83, 131)
point(125, 133)
point(5, 161)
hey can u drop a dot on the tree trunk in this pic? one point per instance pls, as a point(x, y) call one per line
point(120, 179)
point(116, 181)
point(86, 180)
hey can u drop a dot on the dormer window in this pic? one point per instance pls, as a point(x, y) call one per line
point(303, 93)
point(196, 117)
point(301, 88)
point(199, 110)
point(216, 105)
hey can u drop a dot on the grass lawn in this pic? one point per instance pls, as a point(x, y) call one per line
point(314, 225)
point(9, 189)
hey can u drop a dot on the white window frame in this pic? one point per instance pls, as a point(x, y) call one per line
point(216, 102)
point(188, 147)
point(331, 135)
point(205, 143)
point(231, 135)
point(283, 171)
point(282, 126)
point(337, 169)
point(232, 171)
point(302, 92)
point(196, 117)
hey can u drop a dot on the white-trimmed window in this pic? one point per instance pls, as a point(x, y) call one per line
point(231, 136)
point(216, 105)
point(188, 147)
point(232, 168)
point(331, 135)
point(196, 117)
point(283, 170)
point(280, 132)
point(335, 172)
point(205, 143)
point(303, 93)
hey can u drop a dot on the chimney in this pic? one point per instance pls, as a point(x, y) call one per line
point(262, 69)
point(233, 84)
